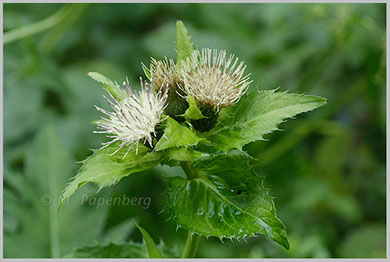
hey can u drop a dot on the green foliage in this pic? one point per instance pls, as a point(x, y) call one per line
point(193, 112)
point(226, 200)
point(183, 41)
point(329, 165)
point(110, 86)
point(176, 135)
point(119, 233)
point(33, 199)
point(172, 156)
point(110, 250)
point(152, 248)
point(375, 248)
point(258, 114)
point(105, 169)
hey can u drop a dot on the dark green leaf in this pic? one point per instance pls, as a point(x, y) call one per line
point(226, 200)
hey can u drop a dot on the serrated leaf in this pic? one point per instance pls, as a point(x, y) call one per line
point(226, 200)
point(176, 135)
point(152, 248)
point(107, 83)
point(258, 114)
point(110, 250)
point(183, 41)
point(193, 112)
point(104, 170)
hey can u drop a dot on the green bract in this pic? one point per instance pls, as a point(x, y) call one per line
point(222, 196)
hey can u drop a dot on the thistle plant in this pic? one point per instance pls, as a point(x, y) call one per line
point(196, 113)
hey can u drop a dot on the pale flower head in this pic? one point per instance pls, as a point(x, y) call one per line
point(163, 74)
point(213, 79)
point(134, 117)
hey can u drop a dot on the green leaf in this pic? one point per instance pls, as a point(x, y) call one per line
point(258, 114)
point(110, 86)
point(183, 41)
point(152, 248)
point(226, 200)
point(176, 135)
point(110, 250)
point(32, 200)
point(193, 112)
point(172, 156)
point(104, 170)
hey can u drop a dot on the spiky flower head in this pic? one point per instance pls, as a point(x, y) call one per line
point(164, 73)
point(213, 79)
point(135, 116)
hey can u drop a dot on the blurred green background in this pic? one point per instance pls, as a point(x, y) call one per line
point(327, 169)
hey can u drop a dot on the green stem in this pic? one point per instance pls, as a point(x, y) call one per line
point(37, 27)
point(191, 246)
point(188, 169)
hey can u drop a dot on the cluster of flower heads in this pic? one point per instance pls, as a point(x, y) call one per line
point(212, 78)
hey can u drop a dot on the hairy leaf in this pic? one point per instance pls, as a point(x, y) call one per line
point(107, 83)
point(105, 169)
point(152, 248)
point(183, 41)
point(177, 135)
point(226, 200)
point(257, 114)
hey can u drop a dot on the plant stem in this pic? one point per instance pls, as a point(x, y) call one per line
point(188, 169)
point(191, 246)
point(37, 27)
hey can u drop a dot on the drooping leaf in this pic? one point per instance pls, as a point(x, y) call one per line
point(105, 169)
point(176, 135)
point(152, 248)
point(193, 112)
point(32, 199)
point(183, 41)
point(107, 83)
point(110, 250)
point(258, 114)
point(226, 200)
